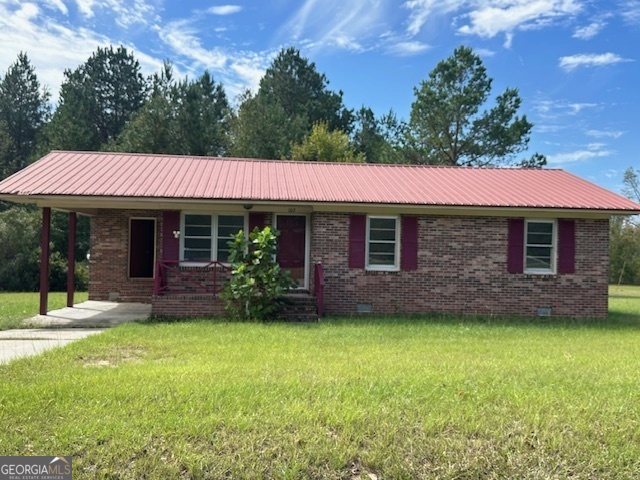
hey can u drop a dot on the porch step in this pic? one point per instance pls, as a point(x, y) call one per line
point(299, 308)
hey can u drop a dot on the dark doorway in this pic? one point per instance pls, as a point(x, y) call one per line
point(292, 245)
point(142, 247)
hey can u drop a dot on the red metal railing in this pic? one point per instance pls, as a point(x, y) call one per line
point(172, 277)
point(319, 288)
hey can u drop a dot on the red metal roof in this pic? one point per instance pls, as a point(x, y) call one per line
point(91, 174)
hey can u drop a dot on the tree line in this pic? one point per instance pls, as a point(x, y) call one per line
point(107, 104)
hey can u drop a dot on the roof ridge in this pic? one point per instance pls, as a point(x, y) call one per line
point(305, 162)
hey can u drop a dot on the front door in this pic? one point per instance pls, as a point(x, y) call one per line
point(292, 244)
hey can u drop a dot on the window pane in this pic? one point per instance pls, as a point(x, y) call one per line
point(384, 223)
point(236, 221)
point(197, 220)
point(381, 259)
point(539, 257)
point(382, 248)
point(199, 255)
point(388, 235)
point(540, 227)
point(197, 231)
point(540, 239)
point(227, 232)
point(197, 243)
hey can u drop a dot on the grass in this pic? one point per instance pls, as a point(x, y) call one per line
point(438, 397)
point(15, 307)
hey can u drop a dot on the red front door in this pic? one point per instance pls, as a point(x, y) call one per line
point(292, 245)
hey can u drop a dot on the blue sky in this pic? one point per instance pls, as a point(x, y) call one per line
point(575, 62)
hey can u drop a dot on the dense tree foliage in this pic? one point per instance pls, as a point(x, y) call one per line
point(379, 139)
point(292, 98)
point(185, 117)
point(447, 126)
point(96, 100)
point(323, 145)
point(24, 109)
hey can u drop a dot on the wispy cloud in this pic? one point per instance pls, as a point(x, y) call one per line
point(237, 69)
point(630, 11)
point(353, 25)
point(407, 48)
point(572, 62)
point(587, 32)
point(57, 5)
point(588, 152)
point(127, 12)
point(224, 9)
point(422, 10)
point(615, 134)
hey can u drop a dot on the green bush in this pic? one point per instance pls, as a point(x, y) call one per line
point(257, 281)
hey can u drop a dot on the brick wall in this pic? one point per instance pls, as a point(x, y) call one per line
point(109, 263)
point(462, 268)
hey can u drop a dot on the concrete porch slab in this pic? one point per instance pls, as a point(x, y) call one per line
point(91, 314)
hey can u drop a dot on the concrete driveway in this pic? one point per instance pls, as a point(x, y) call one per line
point(60, 327)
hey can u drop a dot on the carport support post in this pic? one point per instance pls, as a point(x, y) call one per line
point(44, 259)
point(71, 263)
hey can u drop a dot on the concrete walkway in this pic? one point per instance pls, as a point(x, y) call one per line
point(91, 314)
point(60, 327)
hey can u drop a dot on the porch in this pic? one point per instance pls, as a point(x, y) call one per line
point(184, 290)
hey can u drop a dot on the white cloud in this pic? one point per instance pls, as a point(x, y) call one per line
point(127, 12)
point(605, 133)
point(572, 62)
point(85, 7)
point(576, 108)
point(421, 10)
point(407, 48)
point(593, 150)
point(237, 69)
point(52, 47)
point(589, 31)
point(630, 11)
point(490, 18)
point(57, 5)
point(224, 9)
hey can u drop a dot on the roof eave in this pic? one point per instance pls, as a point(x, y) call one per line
point(90, 204)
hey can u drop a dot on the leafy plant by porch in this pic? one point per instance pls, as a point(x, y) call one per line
point(257, 281)
point(441, 397)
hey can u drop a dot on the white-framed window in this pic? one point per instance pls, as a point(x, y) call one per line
point(383, 243)
point(540, 246)
point(205, 236)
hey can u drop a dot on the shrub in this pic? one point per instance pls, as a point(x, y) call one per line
point(257, 281)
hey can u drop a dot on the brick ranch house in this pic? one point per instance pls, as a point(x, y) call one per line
point(356, 237)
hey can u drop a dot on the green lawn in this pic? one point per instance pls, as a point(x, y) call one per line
point(15, 307)
point(441, 397)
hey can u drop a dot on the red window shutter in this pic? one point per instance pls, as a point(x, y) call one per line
point(357, 234)
point(170, 244)
point(256, 219)
point(566, 246)
point(515, 252)
point(409, 259)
